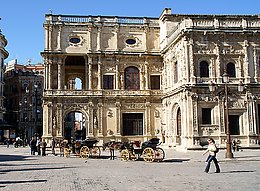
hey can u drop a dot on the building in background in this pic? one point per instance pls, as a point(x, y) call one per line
point(23, 92)
point(151, 77)
point(5, 129)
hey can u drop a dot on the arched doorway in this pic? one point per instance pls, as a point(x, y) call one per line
point(178, 127)
point(75, 127)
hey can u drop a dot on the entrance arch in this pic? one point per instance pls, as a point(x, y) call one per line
point(176, 127)
point(75, 126)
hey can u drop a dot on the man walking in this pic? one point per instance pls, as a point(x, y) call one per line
point(212, 149)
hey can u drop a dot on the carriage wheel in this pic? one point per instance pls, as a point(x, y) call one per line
point(148, 155)
point(124, 155)
point(95, 152)
point(159, 154)
point(84, 152)
point(66, 152)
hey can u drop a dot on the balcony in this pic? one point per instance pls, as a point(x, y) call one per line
point(102, 93)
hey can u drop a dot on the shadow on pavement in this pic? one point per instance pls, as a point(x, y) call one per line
point(238, 157)
point(4, 158)
point(32, 169)
point(238, 171)
point(2, 182)
point(175, 160)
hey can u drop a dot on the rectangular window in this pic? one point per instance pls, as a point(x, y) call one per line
point(132, 124)
point(155, 82)
point(108, 82)
point(206, 115)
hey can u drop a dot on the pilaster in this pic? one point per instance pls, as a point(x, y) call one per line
point(118, 117)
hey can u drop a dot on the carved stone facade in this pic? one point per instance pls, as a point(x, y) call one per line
point(3, 55)
point(154, 72)
point(101, 51)
point(197, 50)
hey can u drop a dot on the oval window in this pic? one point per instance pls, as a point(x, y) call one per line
point(130, 41)
point(75, 40)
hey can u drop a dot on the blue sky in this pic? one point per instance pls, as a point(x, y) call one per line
point(22, 20)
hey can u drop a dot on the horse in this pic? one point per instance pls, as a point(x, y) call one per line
point(112, 146)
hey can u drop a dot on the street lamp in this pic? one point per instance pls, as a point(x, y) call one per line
point(225, 76)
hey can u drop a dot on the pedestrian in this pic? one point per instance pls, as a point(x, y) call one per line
point(38, 145)
point(212, 150)
point(236, 144)
point(7, 143)
point(44, 145)
point(33, 146)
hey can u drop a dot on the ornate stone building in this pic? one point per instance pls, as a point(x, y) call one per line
point(4, 128)
point(118, 62)
point(197, 50)
point(3, 55)
point(146, 77)
point(23, 98)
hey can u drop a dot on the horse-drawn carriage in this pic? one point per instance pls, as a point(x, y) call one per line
point(83, 149)
point(149, 151)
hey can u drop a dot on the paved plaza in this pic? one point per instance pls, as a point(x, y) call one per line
point(179, 171)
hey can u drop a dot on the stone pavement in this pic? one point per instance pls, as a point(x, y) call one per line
point(179, 171)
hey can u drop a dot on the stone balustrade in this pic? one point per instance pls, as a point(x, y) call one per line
point(102, 92)
point(250, 23)
point(102, 19)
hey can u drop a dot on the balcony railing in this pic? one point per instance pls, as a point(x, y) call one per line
point(104, 19)
point(102, 93)
point(240, 23)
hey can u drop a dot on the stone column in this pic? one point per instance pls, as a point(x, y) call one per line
point(99, 74)
point(50, 38)
point(212, 69)
point(46, 71)
point(191, 57)
point(90, 73)
point(218, 64)
point(147, 124)
point(91, 119)
point(187, 59)
point(59, 121)
point(46, 41)
point(50, 73)
point(46, 132)
point(141, 77)
point(255, 65)
point(59, 38)
point(117, 76)
point(118, 117)
point(99, 39)
point(100, 118)
point(246, 62)
point(60, 73)
point(49, 123)
point(116, 30)
point(89, 39)
point(122, 80)
point(146, 30)
point(86, 85)
point(146, 74)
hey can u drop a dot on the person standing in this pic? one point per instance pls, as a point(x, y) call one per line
point(33, 146)
point(7, 143)
point(44, 145)
point(212, 149)
point(38, 145)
